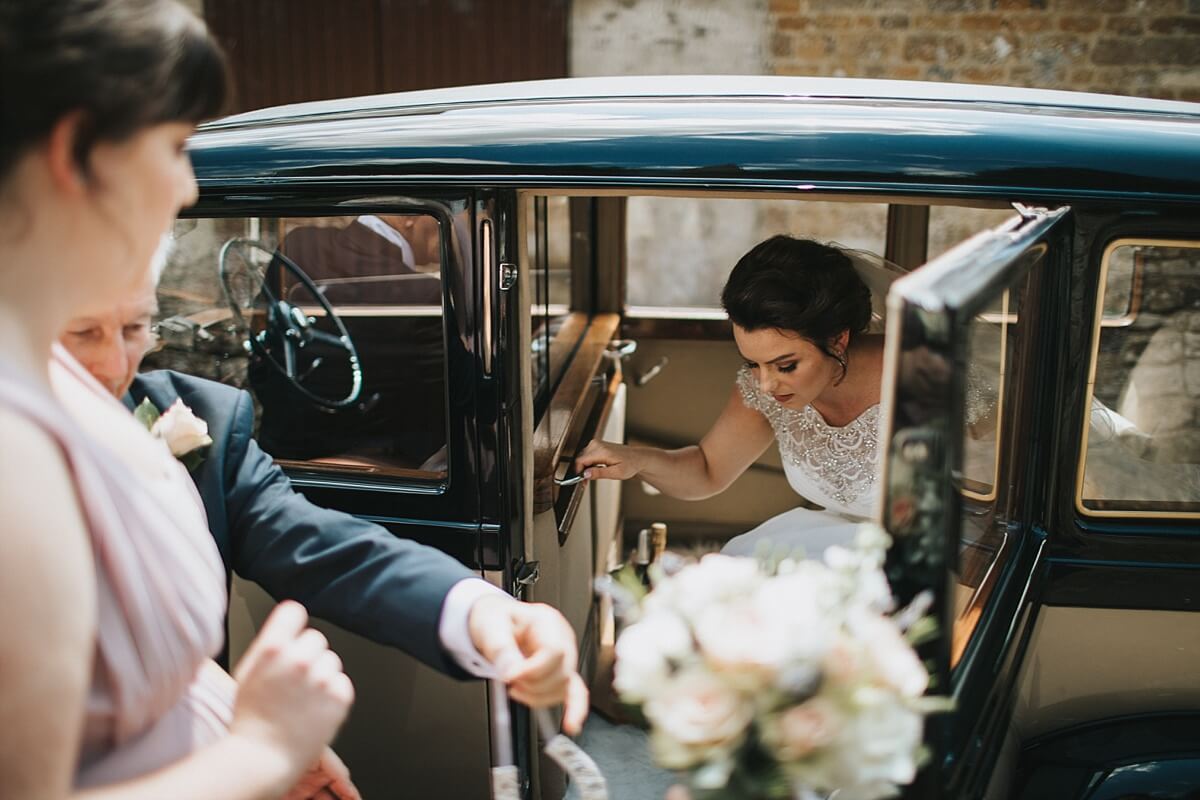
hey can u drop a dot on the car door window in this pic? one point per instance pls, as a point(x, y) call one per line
point(360, 388)
point(1142, 437)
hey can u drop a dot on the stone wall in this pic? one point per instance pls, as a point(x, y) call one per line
point(1147, 48)
point(668, 37)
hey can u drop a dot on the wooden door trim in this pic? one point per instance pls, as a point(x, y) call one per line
point(567, 413)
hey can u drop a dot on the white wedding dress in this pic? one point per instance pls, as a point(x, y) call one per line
point(833, 467)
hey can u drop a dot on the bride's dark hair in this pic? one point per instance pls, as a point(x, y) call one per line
point(122, 64)
point(801, 286)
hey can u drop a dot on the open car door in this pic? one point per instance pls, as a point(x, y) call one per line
point(965, 476)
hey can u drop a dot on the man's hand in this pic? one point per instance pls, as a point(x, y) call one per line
point(533, 649)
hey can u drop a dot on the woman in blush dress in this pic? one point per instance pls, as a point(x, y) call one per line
point(112, 588)
point(802, 317)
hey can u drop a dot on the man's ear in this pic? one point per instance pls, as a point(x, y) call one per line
point(67, 174)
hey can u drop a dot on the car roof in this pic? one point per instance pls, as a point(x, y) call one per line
point(696, 86)
point(828, 134)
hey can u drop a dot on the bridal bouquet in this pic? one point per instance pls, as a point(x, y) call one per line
point(779, 680)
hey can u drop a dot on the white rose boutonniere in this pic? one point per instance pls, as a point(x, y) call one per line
point(185, 434)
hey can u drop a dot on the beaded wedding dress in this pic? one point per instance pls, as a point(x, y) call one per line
point(833, 467)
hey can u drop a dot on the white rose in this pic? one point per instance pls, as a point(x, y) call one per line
point(801, 729)
point(694, 717)
point(743, 641)
point(888, 654)
point(757, 639)
point(844, 662)
point(881, 741)
point(182, 430)
point(804, 605)
point(713, 579)
point(643, 652)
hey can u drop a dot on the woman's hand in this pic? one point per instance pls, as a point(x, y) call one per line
point(607, 460)
point(292, 694)
point(328, 779)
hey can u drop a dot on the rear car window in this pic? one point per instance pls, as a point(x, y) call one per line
point(1142, 437)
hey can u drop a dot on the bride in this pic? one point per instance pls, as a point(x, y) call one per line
point(802, 316)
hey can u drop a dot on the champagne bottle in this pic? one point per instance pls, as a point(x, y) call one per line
point(643, 556)
point(658, 541)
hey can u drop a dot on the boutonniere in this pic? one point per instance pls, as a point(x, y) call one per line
point(185, 434)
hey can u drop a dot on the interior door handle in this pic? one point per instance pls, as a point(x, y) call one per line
point(652, 373)
point(621, 349)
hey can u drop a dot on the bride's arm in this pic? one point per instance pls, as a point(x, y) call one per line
point(48, 596)
point(736, 439)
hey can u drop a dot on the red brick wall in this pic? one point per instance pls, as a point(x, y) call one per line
point(1148, 48)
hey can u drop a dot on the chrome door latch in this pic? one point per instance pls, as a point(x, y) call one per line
point(508, 276)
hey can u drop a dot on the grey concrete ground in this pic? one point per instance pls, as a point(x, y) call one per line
point(622, 754)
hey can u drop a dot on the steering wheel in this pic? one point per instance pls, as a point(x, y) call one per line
point(289, 334)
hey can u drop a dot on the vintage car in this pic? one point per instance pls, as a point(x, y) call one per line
point(561, 249)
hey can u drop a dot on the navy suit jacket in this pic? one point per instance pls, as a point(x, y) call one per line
point(346, 570)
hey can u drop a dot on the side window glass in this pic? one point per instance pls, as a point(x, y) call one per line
point(1142, 439)
point(949, 225)
point(550, 248)
point(333, 324)
point(989, 338)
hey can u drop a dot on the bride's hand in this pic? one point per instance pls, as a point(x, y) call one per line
point(606, 460)
point(292, 694)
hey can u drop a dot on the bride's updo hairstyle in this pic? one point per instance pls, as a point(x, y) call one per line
point(122, 64)
point(801, 286)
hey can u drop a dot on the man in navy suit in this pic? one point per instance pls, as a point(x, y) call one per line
point(348, 571)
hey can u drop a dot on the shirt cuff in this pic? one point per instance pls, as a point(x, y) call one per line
point(453, 631)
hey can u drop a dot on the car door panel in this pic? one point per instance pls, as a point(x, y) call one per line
point(936, 408)
point(412, 731)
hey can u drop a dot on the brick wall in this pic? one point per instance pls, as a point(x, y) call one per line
point(1147, 48)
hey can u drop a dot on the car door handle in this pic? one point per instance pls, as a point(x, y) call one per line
point(574, 479)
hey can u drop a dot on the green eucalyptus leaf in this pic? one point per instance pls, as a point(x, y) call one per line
point(146, 413)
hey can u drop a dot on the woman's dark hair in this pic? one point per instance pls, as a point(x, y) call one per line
point(798, 285)
point(124, 64)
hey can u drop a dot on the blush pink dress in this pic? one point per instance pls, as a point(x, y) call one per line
point(160, 585)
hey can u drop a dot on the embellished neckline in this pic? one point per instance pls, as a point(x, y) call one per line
point(839, 460)
point(870, 411)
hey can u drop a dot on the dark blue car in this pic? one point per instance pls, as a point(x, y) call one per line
point(566, 241)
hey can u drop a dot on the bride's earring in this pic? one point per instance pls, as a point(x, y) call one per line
point(840, 357)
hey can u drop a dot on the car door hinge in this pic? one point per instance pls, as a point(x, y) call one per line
point(508, 276)
point(526, 573)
